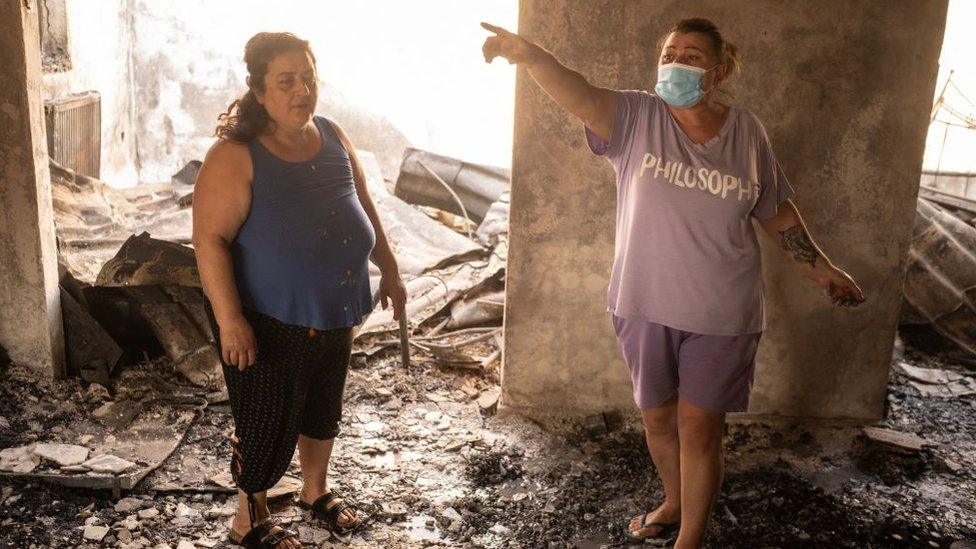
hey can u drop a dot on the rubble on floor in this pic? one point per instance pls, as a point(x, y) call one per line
point(84, 435)
point(426, 458)
point(92, 219)
point(146, 298)
point(450, 184)
point(940, 282)
point(420, 243)
point(151, 286)
point(90, 351)
point(422, 448)
point(936, 381)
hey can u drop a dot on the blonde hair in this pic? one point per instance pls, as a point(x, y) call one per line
point(727, 53)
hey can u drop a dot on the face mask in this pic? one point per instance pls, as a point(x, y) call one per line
point(680, 85)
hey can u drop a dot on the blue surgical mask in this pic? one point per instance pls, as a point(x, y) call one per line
point(680, 85)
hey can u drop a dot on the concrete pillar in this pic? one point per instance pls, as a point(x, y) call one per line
point(845, 100)
point(30, 306)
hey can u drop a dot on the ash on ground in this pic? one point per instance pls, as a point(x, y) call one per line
point(425, 457)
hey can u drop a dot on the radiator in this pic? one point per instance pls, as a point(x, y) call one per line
point(74, 132)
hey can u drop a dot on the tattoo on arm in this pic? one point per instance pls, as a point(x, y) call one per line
point(795, 240)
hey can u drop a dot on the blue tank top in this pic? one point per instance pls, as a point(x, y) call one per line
point(302, 254)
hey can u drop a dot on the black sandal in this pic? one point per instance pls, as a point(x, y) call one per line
point(665, 529)
point(322, 510)
point(260, 535)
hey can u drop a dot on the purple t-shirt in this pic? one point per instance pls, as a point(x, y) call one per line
point(686, 253)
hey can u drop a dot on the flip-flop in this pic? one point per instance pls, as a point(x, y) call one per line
point(664, 531)
point(321, 510)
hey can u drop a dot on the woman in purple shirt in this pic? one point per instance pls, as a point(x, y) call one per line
point(686, 289)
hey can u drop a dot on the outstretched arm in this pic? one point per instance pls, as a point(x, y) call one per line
point(789, 231)
point(591, 104)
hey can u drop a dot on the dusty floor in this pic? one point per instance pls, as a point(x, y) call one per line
point(432, 470)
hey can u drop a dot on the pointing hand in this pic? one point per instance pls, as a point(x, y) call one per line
point(511, 46)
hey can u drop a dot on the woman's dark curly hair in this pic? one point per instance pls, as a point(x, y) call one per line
point(245, 117)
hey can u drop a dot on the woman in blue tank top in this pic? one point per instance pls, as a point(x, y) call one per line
point(284, 230)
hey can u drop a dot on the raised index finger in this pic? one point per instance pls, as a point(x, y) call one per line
point(497, 30)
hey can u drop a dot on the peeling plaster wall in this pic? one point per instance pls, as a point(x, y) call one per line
point(167, 69)
point(186, 75)
point(164, 75)
point(845, 101)
point(99, 36)
point(30, 306)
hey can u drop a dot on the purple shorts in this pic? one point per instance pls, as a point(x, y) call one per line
point(713, 372)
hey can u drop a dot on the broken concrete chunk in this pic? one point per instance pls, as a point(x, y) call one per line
point(223, 479)
point(926, 375)
point(394, 509)
point(73, 469)
point(936, 382)
point(19, 460)
point(117, 414)
point(126, 505)
point(500, 530)
point(963, 387)
point(131, 523)
point(451, 514)
point(455, 446)
point(62, 454)
point(102, 411)
point(95, 533)
point(285, 486)
point(219, 512)
point(374, 427)
point(97, 392)
point(152, 512)
point(948, 465)
point(184, 510)
point(109, 464)
point(896, 439)
point(488, 401)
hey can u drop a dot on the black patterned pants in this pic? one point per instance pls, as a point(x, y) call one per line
point(294, 387)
